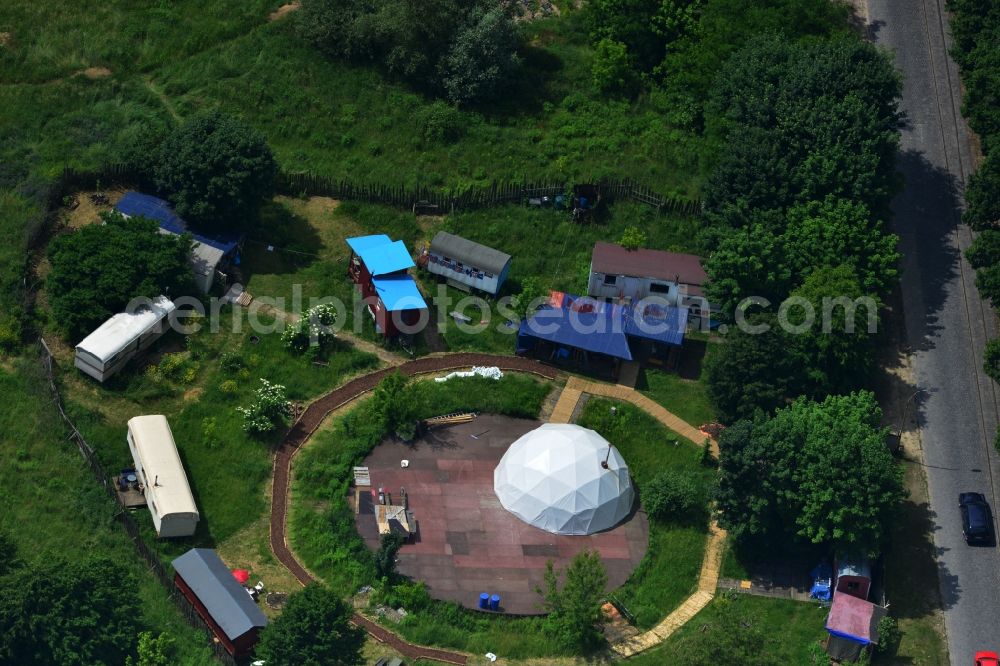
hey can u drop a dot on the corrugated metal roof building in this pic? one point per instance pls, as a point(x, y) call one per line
point(220, 600)
point(467, 264)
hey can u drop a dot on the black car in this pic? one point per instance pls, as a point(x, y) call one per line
point(977, 519)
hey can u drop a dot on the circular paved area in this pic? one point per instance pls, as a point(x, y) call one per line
point(467, 543)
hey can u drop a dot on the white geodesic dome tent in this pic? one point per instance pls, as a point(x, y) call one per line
point(552, 478)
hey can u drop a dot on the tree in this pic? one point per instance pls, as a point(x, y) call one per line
point(216, 170)
point(991, 359)
point(483, 57)
point(58, 612)
point(464, 50)
point(752, 371)
point(632, 238)
point(385, 556)
point(984, 250)
point(269, 409)
point(312, 331)
point(819, 472)
point(611, 71)
point(672, 495)
point(395, 405)
point(97, 269)
point(575, 609)
point(837, 350)
point(313, 630)
point(531, 294)
point(983, 193)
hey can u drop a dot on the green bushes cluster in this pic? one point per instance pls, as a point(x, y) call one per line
point(465, 51)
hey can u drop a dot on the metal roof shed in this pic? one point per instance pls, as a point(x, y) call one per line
point(467, 263)
point(223, 603)
point(399, 292)
point(159, 468)
point(209, 249)
point(112, 344)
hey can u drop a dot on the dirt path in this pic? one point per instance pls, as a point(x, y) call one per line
point(307, 424)
point(164, 100)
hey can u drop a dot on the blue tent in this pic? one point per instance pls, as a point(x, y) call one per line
point(136, 204)
point(399, 292)
point(380, 255)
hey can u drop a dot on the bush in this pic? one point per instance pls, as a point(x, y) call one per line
point(888, 634)
point(632, 238)
point(269, 409)
point(231, 362)
point(229, 387)
point(674, 496)
point(440, 123)
point(312, 331)
point(611, 70)
point(991, 359)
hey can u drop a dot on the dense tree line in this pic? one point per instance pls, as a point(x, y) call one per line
point(60, 612)
point(796, 205)
point(464, 51)
point(976, 29)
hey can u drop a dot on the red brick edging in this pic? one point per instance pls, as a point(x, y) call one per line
point(306, 425)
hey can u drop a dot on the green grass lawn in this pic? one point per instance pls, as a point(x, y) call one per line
point(683, 391)
point(52, 507)
point(227, 469)
point(669, 572)
point(791, 627)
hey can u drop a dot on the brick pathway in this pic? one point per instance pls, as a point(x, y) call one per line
point(307, 423)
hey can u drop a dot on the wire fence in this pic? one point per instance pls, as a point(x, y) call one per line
point(122, 516)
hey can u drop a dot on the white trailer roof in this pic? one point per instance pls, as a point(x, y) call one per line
point(166, 482)
point(118, 332)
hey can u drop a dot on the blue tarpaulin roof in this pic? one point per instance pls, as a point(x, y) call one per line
point(380, 255)
point(665, 324)
point(136, 204)
point(399, 292)
point(595, 326)
point(599, 332)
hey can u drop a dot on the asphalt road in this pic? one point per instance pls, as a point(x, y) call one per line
point(947, 323)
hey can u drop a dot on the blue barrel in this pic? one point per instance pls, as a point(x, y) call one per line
point(495, 602)
point(484, 600)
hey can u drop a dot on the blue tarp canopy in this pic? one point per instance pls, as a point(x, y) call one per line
point(599, 331)
point(380, 255)
point(662, 323)
point(399, 292)
point(596, 326)
point(136, 204)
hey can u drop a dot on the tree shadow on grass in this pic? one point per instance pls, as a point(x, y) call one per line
point(280, 243)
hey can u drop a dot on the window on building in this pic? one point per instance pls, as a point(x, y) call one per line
point(659, 288)
point(610, 279)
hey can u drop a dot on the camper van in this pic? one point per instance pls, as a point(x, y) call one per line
point(106, 351)
point(161, 476)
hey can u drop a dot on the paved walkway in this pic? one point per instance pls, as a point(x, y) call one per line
point(708, 579)
point(707, 582)
point(576, 386)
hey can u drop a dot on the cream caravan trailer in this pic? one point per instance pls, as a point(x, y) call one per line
point(159, 469)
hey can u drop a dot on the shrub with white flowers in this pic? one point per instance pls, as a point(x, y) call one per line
point(269, 408)
point(313, 330)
